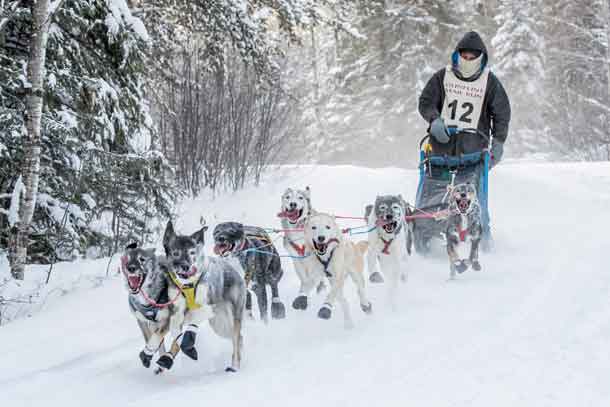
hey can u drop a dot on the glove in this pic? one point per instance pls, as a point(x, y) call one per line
point(438, 130)
point(497, 149)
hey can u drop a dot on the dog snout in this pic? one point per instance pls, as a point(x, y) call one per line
point(321, 239)
point(185, 268)
point(389, 216)
point(132, 268)
point(293, 205)
point(463, 195)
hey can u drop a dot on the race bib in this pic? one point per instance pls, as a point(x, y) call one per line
point(463, 100)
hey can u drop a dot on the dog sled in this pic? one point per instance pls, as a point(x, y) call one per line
point(436, 174)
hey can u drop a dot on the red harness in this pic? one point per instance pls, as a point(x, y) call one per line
point(386, 245)
point(300, 249)
point(463, 233)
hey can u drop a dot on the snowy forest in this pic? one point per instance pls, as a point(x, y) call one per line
point(111, 110)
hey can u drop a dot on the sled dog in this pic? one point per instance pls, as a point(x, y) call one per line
point(207, 288)
point(332, 256)
point(260, 260)
point(463, 225)
point(147, 285)
point(390, 240)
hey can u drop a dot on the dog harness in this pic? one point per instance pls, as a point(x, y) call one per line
point(326, 263)
point(189, 291)
point(300, 249)
point(388, 243)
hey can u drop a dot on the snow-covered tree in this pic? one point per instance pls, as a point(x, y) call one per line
point(519, 62)
point(95, 121)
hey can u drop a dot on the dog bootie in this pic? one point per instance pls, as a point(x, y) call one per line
point(460, 266)
point(476, 266)
point(278, 311)
point(367, 308)
point(166, 361)
point(376, 278)
point(300, 302)
point(145, 358)
point(187, 344)
point(325, 312)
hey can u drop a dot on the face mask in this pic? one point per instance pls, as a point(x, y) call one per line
point(469, 68)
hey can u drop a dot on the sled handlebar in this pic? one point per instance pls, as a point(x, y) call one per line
point(455, 131)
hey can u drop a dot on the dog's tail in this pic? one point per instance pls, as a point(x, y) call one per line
point(362, 246)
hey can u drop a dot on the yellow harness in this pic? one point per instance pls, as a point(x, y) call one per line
point(188, 290)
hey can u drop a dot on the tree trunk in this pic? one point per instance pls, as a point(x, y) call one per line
point(32, 143)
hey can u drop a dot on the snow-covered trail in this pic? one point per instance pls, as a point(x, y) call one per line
point(532, 329)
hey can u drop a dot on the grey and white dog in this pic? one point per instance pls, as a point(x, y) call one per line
point(207, 288)
point(390, 240)
point(147, 285)
point(254, 249)
point(463, 224)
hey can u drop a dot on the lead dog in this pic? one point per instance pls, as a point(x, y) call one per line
point(463, 225)
point(207, 288)
point(147, 285)
point(259, 258)
point(390, 240)
point(334, 257)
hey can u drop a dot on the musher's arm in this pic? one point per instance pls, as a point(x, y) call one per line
point(431, 98)
point(499, 109)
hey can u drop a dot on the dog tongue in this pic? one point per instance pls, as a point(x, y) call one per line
point(292, 215)
point(134, 282)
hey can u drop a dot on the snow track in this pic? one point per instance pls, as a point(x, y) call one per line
point(531, 329)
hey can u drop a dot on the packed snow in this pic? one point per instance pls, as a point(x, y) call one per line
point(531, 329)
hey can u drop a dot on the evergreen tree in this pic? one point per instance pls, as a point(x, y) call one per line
point(97, 165)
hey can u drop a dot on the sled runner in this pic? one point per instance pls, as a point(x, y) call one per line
point(436, 173)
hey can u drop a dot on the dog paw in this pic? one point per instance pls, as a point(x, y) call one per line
point(145, 358)
point(166, 361)
point(191, 353)
point(230, 369)
point(324, 312)
point(300, 302)
point(188, 340)
point(460, 266)
point(476, 266)
point(367, 308)
point(376, 278)
point(278, 311)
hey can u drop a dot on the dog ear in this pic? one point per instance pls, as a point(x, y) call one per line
point(367, 210)
point(168, 236)
point(199, 236)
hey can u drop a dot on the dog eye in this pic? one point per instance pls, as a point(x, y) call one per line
point(176, 253)
point(142, 259)
point(301, 198)
point(192, 252)
point(314, 227)
point(327, 227)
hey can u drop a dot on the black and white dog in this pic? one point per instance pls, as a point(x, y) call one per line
point(260, 261)
point(463, 224)
point(390, 240)
point(147, 285)
point(205, 288)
